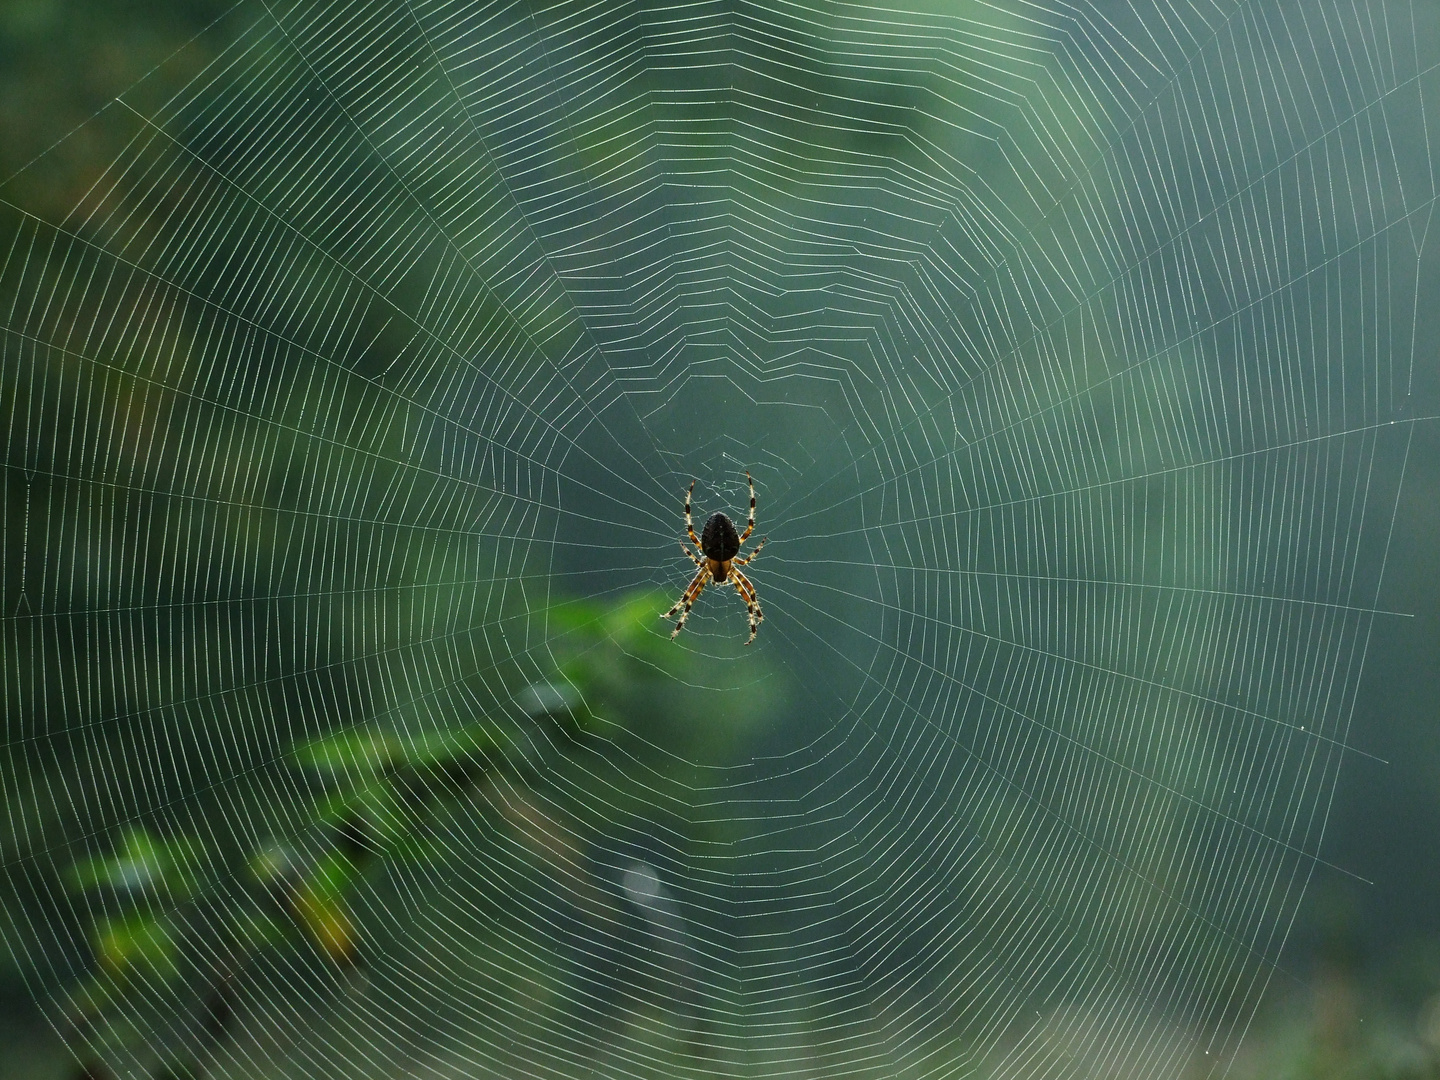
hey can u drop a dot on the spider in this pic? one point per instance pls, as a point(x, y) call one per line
point(718, 545)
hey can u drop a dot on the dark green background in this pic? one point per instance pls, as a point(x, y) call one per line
point(1356, 991)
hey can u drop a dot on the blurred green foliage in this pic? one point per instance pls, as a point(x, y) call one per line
point(175, 918)
point(64, 61)
point(141, 865)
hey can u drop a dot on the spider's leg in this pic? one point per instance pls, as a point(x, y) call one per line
point(693, 559)
point(750, 527)
point(691, 591)
point(690, 528)
point(687, 600)
point(747, 593)
point(751, 556)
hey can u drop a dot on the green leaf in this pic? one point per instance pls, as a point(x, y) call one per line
point(142, 865)
point(136, 944)
point(365, 750)
point(320, 906)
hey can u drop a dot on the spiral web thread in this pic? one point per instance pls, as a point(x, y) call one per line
point(1069, 345)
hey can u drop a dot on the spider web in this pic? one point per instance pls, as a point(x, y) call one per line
point(1069, 346)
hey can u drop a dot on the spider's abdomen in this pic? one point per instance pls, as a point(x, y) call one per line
point(718, 539)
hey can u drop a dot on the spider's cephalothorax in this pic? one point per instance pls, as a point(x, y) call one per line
point(719, 545)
